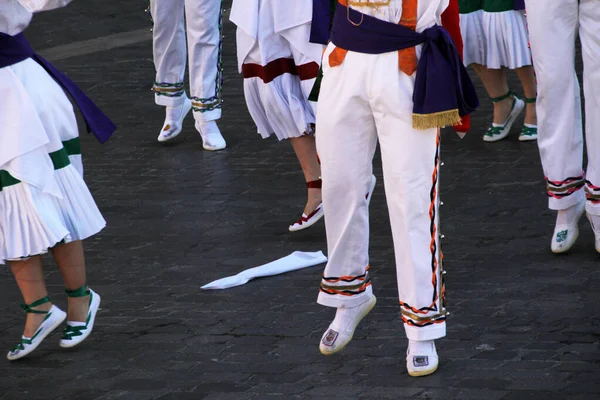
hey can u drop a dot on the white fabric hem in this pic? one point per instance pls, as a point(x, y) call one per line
point(167, 101)
point(31, 222)
point(208, 116)
point(430, 332)
point(496, 40)
point(338, 301)
point(279, 107)
point(566, 202)
point(592, 209)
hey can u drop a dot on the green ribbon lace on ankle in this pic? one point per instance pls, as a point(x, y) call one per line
point(527, 131)
point(21, 345)
point(79, 292)
point(73, 331)
point(494, 131)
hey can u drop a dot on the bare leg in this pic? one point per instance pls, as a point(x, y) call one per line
point(306, 151)
point(494, 81)
point(71, 263)
point(527, 77)
point(29, 275)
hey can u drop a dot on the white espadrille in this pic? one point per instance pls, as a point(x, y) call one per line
point(54, 317)
point(500, 131)
point(341, 330)
point(174, 121)
point(212, 139)
point(421, 358)
point(76, 332)
point(595, 222)
point(565, 235)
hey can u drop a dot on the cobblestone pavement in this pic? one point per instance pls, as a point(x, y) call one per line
point(524, 324)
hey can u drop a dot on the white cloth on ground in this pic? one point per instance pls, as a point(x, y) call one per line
point(295, 261)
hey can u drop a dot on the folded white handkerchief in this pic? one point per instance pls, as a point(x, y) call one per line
point(296, 260)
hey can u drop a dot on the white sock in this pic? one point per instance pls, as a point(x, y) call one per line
point(421, 347)
point(345, 317)
point(530, 126)
point(595, 221)
point(174, 113)
point(208, 127)
point(567, 216)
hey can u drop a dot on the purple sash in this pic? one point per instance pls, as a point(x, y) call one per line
point(442, 84)
point(14, 49)
point(321, 21)
point(519, 4)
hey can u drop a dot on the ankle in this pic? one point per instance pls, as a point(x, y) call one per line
point(346, 315)
point(314, 193)
point(595, 222)
point(502, 110)
point(504, 102)
point(207, 127)
point(569, 216)
point(174, 112)
point(78, 308)
point(35, 319)
point(43, 307)
point(421, 347)
point(531, 115)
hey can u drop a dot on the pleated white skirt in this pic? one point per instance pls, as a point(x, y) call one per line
point(495, 40)
point(31, 222)
point(35, 217)
point(280, 107)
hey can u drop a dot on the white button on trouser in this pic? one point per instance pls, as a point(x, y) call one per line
point(201, 19)
point(553, 27)
point(363, 100)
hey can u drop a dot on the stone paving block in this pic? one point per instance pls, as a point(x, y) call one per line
point(230, 396)
point(539, 395)
point(476, 394)
point(522, 323)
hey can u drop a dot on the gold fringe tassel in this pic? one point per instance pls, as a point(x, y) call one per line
point(436, 120)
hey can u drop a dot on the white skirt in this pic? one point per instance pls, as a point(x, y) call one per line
point(280, 107)
point(496, 40)
point(48, 203)
point(31, 222)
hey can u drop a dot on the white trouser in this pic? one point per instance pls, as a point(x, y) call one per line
point(553, 27)
point(202, 20)
point(364, 99)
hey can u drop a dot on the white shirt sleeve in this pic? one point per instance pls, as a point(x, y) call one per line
point(43, 5)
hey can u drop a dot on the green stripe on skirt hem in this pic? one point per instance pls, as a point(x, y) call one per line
point(60, 159)
point(72, 147)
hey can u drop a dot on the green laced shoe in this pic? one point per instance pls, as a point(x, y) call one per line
point(529, 132)
point(76, 332)
point(54, 317)
point(499, 132)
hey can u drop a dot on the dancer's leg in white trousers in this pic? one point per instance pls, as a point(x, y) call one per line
point(589, 32)
point(553, 28)
point(364, 99)
point(204, 22)
point(169, 49)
